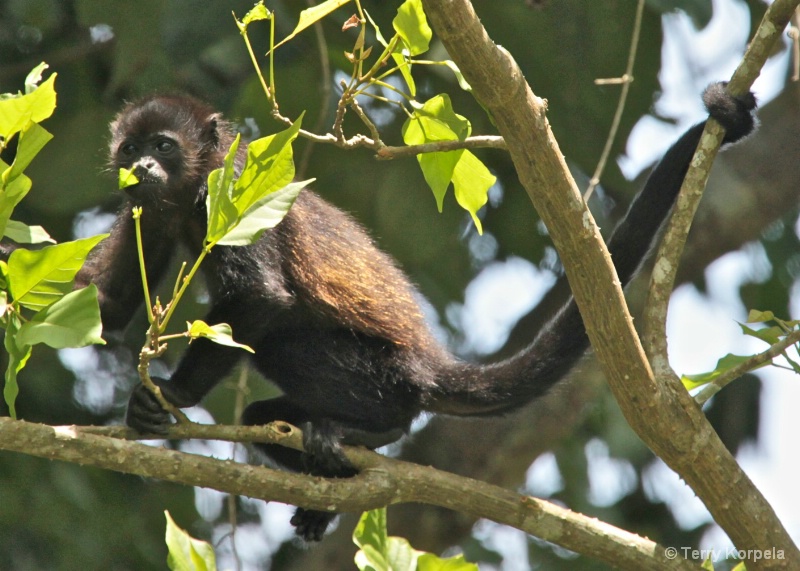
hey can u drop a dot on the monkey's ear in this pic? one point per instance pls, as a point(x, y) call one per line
point(211, 130)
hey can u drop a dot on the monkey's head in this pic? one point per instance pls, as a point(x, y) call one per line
point(171, 142)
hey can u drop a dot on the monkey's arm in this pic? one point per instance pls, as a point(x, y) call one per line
point(113, 266)
point(202, 366)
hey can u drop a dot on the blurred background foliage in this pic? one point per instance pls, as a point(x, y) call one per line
point(55, 516)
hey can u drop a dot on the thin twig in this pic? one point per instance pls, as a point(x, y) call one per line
point(325, 95)
point(625, 80)
point(753, 362)
point(478, 142)
point(373, 129)
point(794, 34)
point(153, 349)
point(238, 409)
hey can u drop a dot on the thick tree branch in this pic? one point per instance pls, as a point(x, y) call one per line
point(664, 416)
point(382, 481)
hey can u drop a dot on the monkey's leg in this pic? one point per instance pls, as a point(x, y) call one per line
point(323, 456)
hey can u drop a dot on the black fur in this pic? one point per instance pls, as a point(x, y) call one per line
point(333, 321)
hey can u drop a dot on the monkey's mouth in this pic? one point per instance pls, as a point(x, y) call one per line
point(147, 184)
point(145, 192)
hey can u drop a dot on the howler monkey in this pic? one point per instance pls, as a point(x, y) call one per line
point(333, 321)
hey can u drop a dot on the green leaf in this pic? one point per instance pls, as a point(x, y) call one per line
point(220, 333)
point(794, 364)
point(310, 16)
point(438, 170)
point(24, 234)
point(257, 13)
point(35, 106)
point(33, 79)
point(471, 183)
point(127, 178)
point(756, 316)
point(726, 363)
point(222, 214)
point(431, 562)
point(39, 278)
point(11, 194)
point(371, 530)
point(769, 334)
point(269, 167)
point(369, 559)
point(412, 26)
point(269, 170)
point(72, 321)
point(381, 553)
point(404, 65)
point(436, 121)
point(459, 76)
point(431, 122)
point(263, 215)
point(378, 35)
point(400, 555)
point(187, 553)
point(17, 358)
point(32, 139)
point(14, 185)
point(370, 536)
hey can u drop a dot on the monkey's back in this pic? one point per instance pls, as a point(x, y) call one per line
point(333, 265)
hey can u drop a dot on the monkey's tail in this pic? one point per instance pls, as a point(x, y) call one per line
point(467, 389)
point(471, 390)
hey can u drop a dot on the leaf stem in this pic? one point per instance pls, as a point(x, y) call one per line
point(137, 215)
point(184, 286)
point(753, 362)
point(267, 91)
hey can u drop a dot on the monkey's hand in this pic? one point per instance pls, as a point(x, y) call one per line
point(733, 113)
point(145, 414)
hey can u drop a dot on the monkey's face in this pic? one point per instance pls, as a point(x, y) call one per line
point(156, 160)
point(170, 143)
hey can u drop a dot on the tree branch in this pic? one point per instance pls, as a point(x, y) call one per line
point(381, 481)
point(773, 23)
point(663, 415)
point(478, 142)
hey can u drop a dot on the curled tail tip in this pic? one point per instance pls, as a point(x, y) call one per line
point(734, 113)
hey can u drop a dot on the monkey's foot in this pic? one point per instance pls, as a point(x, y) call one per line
point(311, 524)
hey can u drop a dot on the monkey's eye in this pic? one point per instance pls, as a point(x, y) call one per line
point(165, 146)
point(128, 149)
